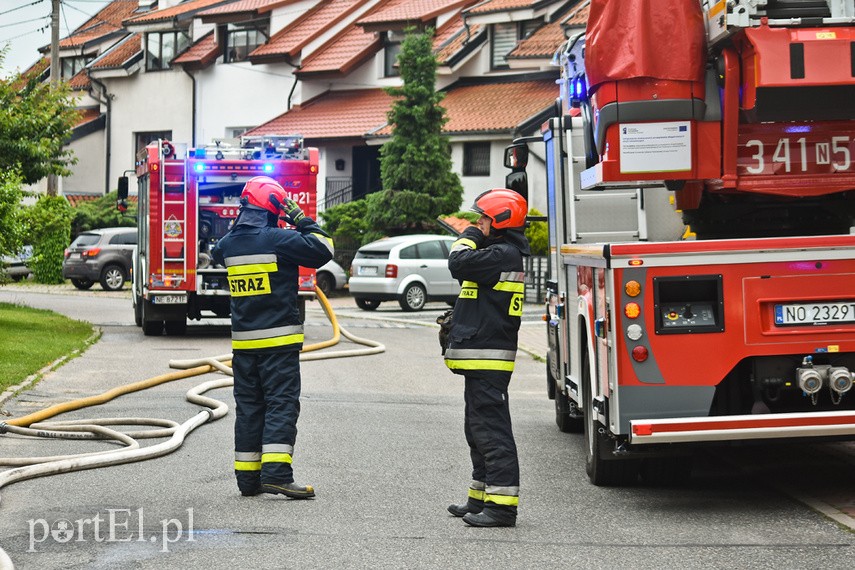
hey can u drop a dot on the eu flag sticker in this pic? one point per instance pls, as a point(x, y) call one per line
point(779, 314)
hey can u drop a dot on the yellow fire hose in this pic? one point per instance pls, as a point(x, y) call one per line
point(29, 425)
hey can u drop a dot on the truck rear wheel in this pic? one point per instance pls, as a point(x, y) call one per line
point(601, 472)
point(150, 327)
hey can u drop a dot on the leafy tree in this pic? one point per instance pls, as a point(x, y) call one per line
point(415, 165)
point(48, 227)
point(102, 213)
point(537, 234)
point(11, 229)
point(36, 120)
point(347, 222)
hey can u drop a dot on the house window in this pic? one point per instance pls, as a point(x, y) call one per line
point(71, 66)
point(476, 159)
point(162, 47)
point(390, 55)
point(143, 139)
point(505, 38)
point(242, 39)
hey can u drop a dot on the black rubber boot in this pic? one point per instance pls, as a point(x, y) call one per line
point(488, 519)
point(292, 490)
point(467, 507)
point(251, 492)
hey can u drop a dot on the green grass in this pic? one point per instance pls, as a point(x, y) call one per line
point(31, 339)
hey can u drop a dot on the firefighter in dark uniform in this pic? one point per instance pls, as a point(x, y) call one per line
point(488, 262)
point(267, 334)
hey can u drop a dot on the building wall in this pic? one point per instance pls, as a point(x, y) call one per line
point(90, 170)
point(146, 102)
point(239, 95)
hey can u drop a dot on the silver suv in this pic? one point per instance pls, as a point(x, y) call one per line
point(410, 269)
point(102, 255)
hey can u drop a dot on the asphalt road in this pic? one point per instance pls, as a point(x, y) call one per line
point(381, 440)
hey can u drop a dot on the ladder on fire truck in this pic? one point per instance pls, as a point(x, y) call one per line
point(173, 181)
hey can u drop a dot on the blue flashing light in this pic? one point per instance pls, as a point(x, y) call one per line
point(200, 153)
point(199, 167)
point(267, 167)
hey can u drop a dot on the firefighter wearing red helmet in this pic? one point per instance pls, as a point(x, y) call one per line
point(262, 260)
point(487, 259)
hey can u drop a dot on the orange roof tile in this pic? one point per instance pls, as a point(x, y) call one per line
point(456, 224)
point(187, 8)
point(500, 6)
point(246, 6)
point(411, 11)
point(202, 53)
point(335, 114)
point(486, 107)
point(80, 81)
point(75, 200)
point(579, 16)
point(86, 115)
point(452, 36)
point(542, 43)
point(291, 39)
point(341, 54)
point(119, 53)
point(108, 20)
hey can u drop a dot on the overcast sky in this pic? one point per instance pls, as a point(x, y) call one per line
point(25, 27)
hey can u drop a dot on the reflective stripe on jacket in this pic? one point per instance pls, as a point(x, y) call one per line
point(263, 266)
point(485, 327)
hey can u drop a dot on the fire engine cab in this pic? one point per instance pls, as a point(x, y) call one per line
point(188, 198)
point(733, 123)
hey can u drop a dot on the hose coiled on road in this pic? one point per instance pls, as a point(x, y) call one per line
point(33, 425)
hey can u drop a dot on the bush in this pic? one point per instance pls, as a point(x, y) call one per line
point(538, 235)
point(102, 213)
point(48, 224)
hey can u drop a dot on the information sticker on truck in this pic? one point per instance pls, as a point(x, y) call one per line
point(814, 313)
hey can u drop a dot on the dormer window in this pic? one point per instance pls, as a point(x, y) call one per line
point(504, 39)
point(162, 47)
point(392, 47)
point(71, 66)
point(243, 38)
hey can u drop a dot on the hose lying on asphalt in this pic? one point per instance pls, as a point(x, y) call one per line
point(33, 425)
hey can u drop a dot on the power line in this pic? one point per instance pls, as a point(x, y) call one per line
point(42, 29)
point(22, 6)
point(24, 22)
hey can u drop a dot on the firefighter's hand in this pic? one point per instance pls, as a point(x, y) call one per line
point(292, 212)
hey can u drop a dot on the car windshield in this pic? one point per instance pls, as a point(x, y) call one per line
point(85, 239)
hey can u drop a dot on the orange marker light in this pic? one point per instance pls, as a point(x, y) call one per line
point(635, 262)
point(632, 310)
point(632, 288)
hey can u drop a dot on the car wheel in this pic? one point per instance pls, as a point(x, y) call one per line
point(414, 297)
point(82, 284)
point(366, 304)
point(113, 278)
point(325, 283)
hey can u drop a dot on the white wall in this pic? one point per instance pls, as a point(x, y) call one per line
point(89, 172)
point(239, 94)
point(145, 102)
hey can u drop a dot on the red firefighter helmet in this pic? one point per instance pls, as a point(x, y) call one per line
point(258, 191)
point(505, 207)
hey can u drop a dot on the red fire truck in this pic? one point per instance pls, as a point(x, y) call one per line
point(188, 197)
point(741, 120)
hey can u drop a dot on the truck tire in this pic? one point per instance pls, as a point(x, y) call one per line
point(137, 310)
point(601, 472)
point(550, 377)
point(112, 278)
point(176, 328)
point(150, 327)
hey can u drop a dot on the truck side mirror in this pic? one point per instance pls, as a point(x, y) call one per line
point(122, 200)
point(516, 156)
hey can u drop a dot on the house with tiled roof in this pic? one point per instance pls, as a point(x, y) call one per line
point(197, 70)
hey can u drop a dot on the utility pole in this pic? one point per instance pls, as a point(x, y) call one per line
point(52, 181)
